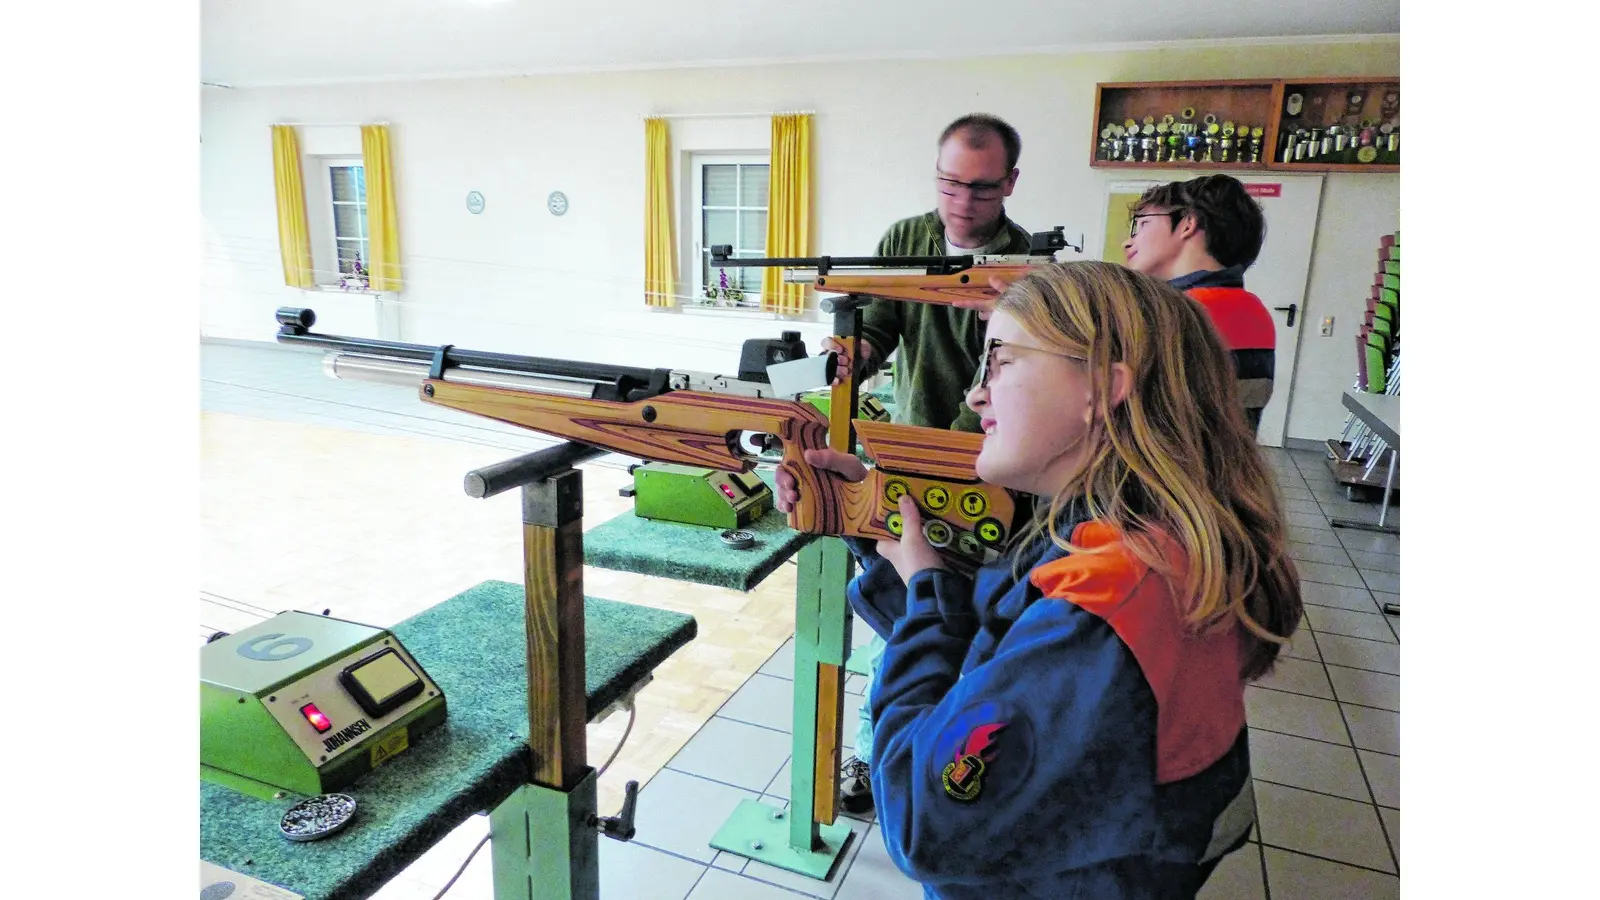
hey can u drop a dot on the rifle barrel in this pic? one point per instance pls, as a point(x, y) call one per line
point(610, 381)
point(941, 263)
point(410, 373)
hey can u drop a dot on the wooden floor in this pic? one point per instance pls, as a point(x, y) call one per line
point(376, 528)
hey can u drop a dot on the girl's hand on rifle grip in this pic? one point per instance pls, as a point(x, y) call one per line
point(847, 466)
point(912, 553)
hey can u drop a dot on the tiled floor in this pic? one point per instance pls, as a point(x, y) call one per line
point(1324, 726)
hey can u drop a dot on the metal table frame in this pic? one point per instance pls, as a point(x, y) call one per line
point(1381, 413)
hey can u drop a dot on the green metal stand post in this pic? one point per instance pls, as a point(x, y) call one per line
point(795, 839)
point(544, 844)
point(806, 838)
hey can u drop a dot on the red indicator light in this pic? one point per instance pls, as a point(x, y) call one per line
point(315, 717)
point(728, 491)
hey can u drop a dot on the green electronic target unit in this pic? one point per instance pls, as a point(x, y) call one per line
point(867, 406)
point(697, 496)
point(309, 703)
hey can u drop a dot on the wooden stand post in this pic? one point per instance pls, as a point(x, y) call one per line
point(545, 846)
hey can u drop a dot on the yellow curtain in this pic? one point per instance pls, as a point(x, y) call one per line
point(788, 210)
point(383, 220)
point(294, 237)
point(660, 275)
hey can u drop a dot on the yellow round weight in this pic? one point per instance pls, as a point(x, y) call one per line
point(937, 532)
point(936, 498)
point(974, 504)
point(990, 531)
point(895, 523)
point(894, 490)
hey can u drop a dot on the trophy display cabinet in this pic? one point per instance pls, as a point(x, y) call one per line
point(1336, 124)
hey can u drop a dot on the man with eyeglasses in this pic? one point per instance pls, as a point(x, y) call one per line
point(939, 346)
point(975, 171)
point(1200, 236)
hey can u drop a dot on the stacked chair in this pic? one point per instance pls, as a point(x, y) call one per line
point(1358, 451)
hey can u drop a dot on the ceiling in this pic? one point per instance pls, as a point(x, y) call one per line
point(255, 43)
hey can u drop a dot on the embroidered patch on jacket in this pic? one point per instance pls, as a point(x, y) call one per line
point(984, 750)
point(963, 776)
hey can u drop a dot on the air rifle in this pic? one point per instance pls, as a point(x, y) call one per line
point(920, 279)
point(700, 419)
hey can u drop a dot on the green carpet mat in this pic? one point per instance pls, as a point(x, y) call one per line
point(694, 553)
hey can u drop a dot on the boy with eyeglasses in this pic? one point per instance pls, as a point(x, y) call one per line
point(1200, 236)
point(939, 346)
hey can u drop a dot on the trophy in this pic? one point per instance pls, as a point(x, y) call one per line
point(1193, 142)
point(1212, 130)
point(1227, 141)
point(1255, 143)
point(1105, 144)
point(1334, 143)
point(1367, 151)
point(1391, 105)
point(1352, 103)
point(1132, 141)
point(1314, 143)
point(1174, 142)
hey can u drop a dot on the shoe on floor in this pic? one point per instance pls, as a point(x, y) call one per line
point(855, 787)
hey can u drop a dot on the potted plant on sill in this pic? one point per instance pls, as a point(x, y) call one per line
point(356, 280)
point(722, 294)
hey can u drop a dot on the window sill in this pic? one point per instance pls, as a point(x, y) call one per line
point(340, 289)
point(737, 312)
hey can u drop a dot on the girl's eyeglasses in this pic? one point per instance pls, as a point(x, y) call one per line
point(986, 363)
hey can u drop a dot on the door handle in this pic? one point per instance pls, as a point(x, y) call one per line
point(1291, 309)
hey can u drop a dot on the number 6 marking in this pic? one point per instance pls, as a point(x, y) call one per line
point(274, 651)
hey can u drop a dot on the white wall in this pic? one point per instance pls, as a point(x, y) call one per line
point(518, 279)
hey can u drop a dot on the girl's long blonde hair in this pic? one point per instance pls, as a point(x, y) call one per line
point(1176, 458)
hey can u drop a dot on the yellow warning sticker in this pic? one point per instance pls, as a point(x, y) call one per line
point(388, 746)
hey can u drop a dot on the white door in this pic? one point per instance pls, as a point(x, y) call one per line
point(1279, 277)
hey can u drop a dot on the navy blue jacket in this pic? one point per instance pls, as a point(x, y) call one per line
point(1053, 737)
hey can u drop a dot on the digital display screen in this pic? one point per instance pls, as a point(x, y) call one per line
point(384, 676)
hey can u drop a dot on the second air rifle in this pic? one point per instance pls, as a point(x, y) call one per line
point(919, 279)
point(700, 419)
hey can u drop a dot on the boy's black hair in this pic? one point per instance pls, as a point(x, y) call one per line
point(1231, 219)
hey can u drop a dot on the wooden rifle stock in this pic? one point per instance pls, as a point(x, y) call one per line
point(965, 519)
point(968, 284)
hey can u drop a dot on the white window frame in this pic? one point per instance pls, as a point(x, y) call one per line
point(697, 164)
point(331, 163)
